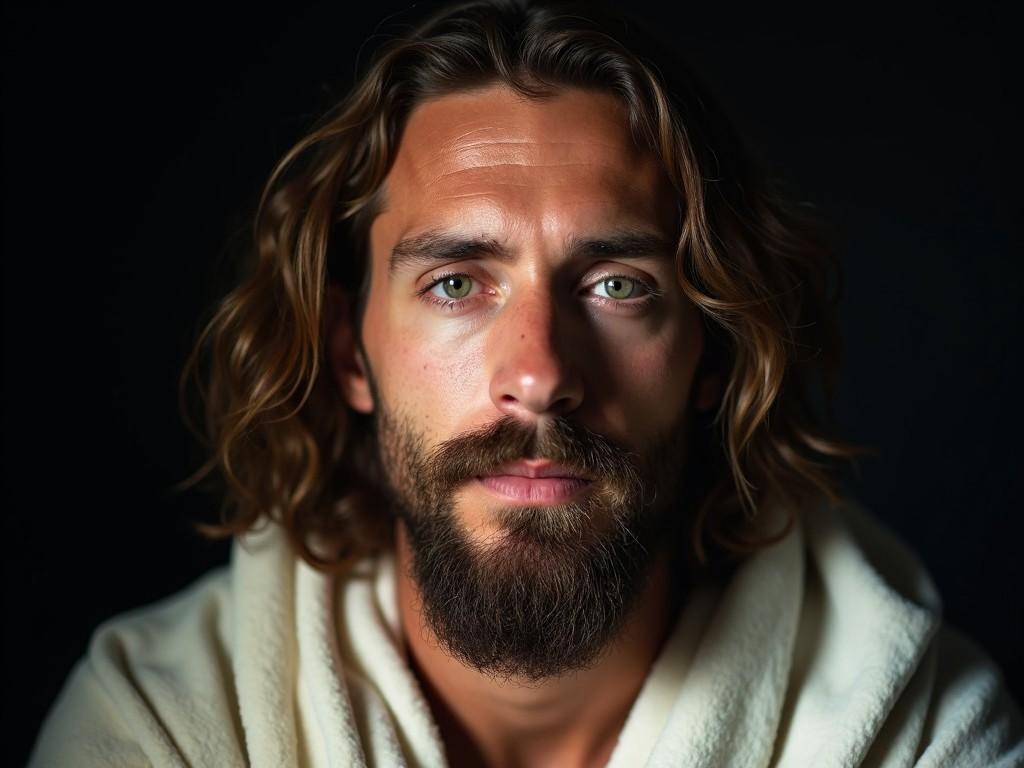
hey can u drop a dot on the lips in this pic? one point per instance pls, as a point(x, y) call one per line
point(536, 468)
point(535, 481)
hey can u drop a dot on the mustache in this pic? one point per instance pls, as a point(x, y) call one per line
point(507, 439)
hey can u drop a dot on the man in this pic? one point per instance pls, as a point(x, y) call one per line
point(513, 412)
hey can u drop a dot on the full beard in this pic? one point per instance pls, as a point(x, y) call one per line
point(553, 587)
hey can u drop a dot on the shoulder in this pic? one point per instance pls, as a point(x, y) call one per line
point(154, 687)
point(939, 699)
point(971, 720)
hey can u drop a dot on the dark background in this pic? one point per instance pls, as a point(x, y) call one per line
point(135, 146)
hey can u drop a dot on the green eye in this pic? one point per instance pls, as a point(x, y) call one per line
point(454, 287)
point(619, 287)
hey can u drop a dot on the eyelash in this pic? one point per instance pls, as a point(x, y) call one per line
point(651, 293)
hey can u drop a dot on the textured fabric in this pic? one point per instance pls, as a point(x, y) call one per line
point(826, 649)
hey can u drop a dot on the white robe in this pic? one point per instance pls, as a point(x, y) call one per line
point(826, 649)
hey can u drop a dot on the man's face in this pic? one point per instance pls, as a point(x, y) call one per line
point(531, 357)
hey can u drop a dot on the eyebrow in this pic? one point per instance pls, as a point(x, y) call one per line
point(438, 245)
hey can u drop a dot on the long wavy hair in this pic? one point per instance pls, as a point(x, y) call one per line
point(290, 450)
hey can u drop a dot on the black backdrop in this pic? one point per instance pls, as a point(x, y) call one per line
point(134, 149)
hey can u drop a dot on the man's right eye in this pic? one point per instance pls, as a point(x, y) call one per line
point(452, 287)
point(454, 291)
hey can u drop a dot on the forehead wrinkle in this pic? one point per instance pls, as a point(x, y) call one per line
point(519, 133)
point(543, 143)
point(508, 153)
point(517, 167)
point(610, 179)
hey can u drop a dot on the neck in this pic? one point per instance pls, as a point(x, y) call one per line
point(569, 720)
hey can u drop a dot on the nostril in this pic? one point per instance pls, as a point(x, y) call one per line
point(507, 399)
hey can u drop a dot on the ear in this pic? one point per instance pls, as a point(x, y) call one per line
point(707, 391)
point(344, 357)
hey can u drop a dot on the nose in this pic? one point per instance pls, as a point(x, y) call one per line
point(533, 361)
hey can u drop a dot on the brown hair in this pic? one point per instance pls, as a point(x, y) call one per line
point(288, 447)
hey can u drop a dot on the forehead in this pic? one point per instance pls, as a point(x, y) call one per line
point(505, 161)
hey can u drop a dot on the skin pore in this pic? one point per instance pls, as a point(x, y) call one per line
point(523, 267)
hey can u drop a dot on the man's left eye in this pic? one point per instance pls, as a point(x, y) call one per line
point(619, 287)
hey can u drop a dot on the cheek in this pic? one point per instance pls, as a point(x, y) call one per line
point(645, 384)
point(432, 379)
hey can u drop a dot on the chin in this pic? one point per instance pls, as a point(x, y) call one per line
point(541, 593)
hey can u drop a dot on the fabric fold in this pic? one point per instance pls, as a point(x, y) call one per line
point(862, 638)
point(728, 707)
point(263, 592)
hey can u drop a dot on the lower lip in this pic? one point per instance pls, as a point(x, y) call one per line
point(534, 490)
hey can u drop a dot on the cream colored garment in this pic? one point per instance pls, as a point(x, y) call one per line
point(823, 650)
